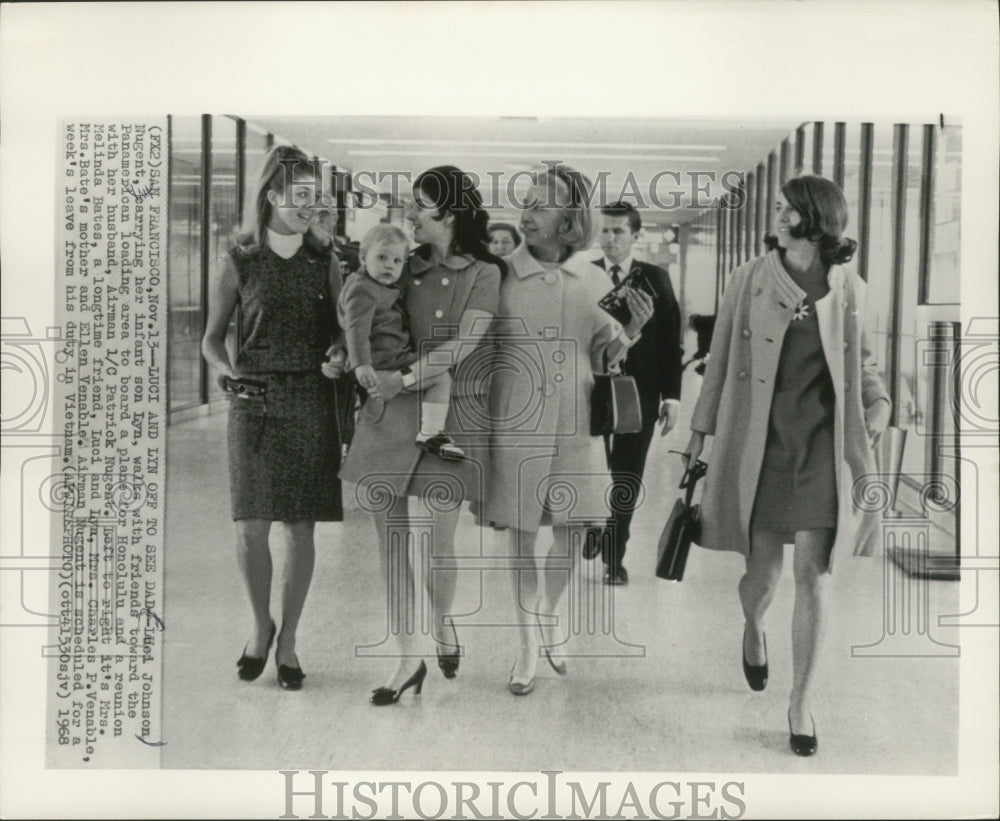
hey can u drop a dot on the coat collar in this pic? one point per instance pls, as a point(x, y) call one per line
point(835, 278)
point(524, 265)
point(456, 262)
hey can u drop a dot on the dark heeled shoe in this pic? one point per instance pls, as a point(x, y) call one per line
point(384, 695)
point(560, 666)
point(448, 662)
point(250, 667)
point(802, 744)
point(756, 675)
point(290, 678)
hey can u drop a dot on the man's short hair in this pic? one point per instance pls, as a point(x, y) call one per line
point(624, 209)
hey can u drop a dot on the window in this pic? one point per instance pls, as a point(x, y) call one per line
point(184, 286)
point(223, 213)
point(880, 243)
point(911, 412)
point(852, 177)
point(944, 273)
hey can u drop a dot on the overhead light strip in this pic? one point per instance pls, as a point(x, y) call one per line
point(560, 155)
point(529, 144)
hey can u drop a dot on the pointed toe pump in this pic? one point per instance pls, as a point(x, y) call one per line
point(382, 696)
point(249, 668)
point(755, 674)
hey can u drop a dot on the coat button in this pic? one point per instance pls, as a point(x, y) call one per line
point(847, 347)
point(444, 281)
point(417, 281)
point(746, 333)
point(551, 277)
point(741, 375)
point(549, 390)
point(439, 314)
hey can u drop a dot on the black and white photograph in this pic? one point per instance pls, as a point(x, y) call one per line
point(500, 410)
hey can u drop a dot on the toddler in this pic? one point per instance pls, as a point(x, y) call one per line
point(372, 316)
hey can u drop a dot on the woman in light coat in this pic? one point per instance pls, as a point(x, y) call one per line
point(545, 468)
point(795, 403)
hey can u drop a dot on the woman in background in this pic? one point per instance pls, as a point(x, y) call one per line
point(284, 445)
point(795, 402)
point(504, 239)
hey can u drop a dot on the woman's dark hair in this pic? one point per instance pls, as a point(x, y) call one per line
point(823, 209)
point(510, 229)
point(450, 190)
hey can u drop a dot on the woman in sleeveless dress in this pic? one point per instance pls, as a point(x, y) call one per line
point(283, 438)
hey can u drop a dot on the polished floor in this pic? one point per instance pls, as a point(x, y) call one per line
point(654, 684)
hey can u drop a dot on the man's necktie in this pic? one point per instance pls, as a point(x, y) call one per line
point(615, 271)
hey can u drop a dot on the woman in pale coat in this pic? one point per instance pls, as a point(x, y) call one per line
point(794, 400)
point(544, 467)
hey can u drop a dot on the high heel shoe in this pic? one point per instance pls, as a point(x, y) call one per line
point(250, 667)
point(560, 666)
point(802, 744)
point(290, 678)
point(448, 662)
point(520, 688)
point(756, 675)
point(384, 695)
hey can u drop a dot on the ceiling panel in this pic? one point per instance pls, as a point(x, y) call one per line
point(671, 169)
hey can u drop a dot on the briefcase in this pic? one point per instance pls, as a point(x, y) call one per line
point(682, 528)
point(614, 405)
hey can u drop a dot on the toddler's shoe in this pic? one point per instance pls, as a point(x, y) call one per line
point(442, 446)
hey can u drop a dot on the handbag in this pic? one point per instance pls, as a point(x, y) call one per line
point(682, 528)
point(614, 404)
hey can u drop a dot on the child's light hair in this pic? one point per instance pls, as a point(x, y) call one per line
point(382, 234)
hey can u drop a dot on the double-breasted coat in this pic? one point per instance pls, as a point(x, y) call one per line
point(735, 400)
point(383, 459)
point(544, 466)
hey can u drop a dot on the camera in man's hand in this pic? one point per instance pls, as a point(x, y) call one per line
point(614, 302)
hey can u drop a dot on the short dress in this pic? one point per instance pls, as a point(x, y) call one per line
point(284, 447)
point(797, 489)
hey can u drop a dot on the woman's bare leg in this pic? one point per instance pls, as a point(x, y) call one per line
point(254, 558)
point(393, 531)
point(300, 559)
point(757, 587)
point(525, 592)
point(812, 559)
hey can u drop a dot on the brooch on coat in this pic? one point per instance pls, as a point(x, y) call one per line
point(801, 311)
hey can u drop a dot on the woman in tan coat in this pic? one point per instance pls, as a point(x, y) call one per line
point(794, 400)
point(544, 466)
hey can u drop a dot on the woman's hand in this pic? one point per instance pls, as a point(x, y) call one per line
point(389, 384)
point(335, 363)
point(694, 448)
point(227, 373)
point(640, 305)
point(877, 420)
point(365, 374)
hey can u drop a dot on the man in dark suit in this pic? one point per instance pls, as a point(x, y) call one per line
point(655, 363)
